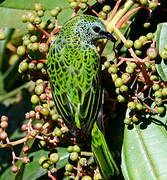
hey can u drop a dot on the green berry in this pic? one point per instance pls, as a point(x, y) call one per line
point(42, 159)
point(45, 165)
point(83, 162)
point(31, 66)
point(150, 36)
point(70, 149)
point(68, 167)
point(129, 69)
point(154, 78)
point(23, 66)
point(131, 105)
point(155, 87)
point(128, 43)
point(153, 5)
point(106, 9)
point(163, 54)
point(34, 99)
point(21, 50)
point(40, 13)
point(40, 65)
point(158, 101)
point(158, 93)
point(137, 44)
point(39, 89)
point(164, 92)
point(147, 25)
point(144, 2)
point(138, 52)
point(117, 91)
point(97, 177)
point(55, 117)
point(120, 98)
point(139, 106)
point(143, 39)
point(127, 121)
point(24, 18)
point(125, 77)
point(74, 4)
point(160, 110)
point(54, 157)
point(106, 64)
point(118, 82)
point(33, 38)
point(26, 42)
point(38, 6)
point(54, 12)
point(34, 46)
point(30, 27)
point(76, 148)
point(37, 20)
point(102, 15)
point(113, 69)
point(43, 25)
point(86, 178)
point(74, 156)
point(44, 111)
point(123, 88)
point(57, 132)
point(114, 76)
point(135, 118)
point(43, 47)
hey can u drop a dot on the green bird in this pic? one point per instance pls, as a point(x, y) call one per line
point(75, 76)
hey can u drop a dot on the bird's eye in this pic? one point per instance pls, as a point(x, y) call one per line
point(96, 29)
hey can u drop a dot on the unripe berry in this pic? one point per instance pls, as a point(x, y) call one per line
point(137, 44)
point(127, 121)
point(128, 43)
point(86, 178)
point(68, 167)
point(106, 9)
point(43, 47)
point(34, 99)
point(131, 105)
point(23, 66)
point(118, 82)
point(74, 156)
point(54, 157)
point(120, 98)
point(21, 50)
point(76, 148)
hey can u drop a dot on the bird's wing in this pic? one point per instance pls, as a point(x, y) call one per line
point(74, 73)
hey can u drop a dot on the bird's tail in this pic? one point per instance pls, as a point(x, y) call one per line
point(103, 156)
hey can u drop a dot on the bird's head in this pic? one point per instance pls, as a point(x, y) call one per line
point(88, 29)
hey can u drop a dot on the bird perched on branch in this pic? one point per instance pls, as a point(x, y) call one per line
point(75, 76)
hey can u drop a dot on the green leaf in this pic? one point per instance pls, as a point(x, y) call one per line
point(33, 170)
point(144, 149)
point(11, 11)
point(161, 40)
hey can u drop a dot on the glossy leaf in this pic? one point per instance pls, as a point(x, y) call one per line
point(144, 149)
point(11, 11)
point(33, 170)
point(161, 40)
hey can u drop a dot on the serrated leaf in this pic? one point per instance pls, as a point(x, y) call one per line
point(11, 11)
point(144, 150)
point(161, 40)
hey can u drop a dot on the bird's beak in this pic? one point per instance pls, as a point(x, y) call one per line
point(108, 36)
